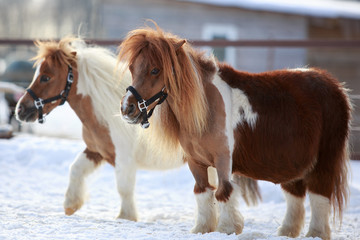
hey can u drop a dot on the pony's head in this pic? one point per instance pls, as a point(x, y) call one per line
point(51, 84)
point(162, 64)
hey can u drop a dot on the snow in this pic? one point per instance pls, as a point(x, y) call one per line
point(61, 122)
point(34, 177)
point(319, 8)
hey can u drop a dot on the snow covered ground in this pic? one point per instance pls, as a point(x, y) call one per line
point(34, 177)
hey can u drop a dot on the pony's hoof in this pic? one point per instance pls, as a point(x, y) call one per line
point(202, 229)
point(127, 216)
point(230, 225)
point(231, 228)
point(288, 231)
point(70, 207)
point(70, 211)
point(316, 233)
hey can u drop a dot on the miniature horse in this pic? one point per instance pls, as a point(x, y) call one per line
point(289, 127)
point(93, 95)
point(84, 76)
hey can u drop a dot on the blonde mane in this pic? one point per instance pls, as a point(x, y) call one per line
point(60, 51)
point(182, 75)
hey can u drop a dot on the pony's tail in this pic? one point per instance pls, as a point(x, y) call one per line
point(249, 188)
point(341, 192)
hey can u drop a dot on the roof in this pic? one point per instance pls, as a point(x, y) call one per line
point(317, 8)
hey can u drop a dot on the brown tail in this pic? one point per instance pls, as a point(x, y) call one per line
point(341, 189)
point(249, 189)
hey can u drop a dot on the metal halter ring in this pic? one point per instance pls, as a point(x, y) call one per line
point(39, 103)
point(142, 105)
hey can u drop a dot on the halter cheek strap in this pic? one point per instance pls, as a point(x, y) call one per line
point(39, 102)
point(143, 105)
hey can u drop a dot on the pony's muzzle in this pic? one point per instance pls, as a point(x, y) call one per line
point(129, 111)
point(26, 113)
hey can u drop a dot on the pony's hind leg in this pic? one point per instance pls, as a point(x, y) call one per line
point(320, 212)
point(206, 219)
point(125, 179)
point(295, 212)
point(327, 186)
point(85, 163)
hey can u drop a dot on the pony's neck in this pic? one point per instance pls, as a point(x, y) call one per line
point(79, 104)
point(191, 111)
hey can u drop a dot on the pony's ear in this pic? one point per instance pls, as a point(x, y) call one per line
point(179, 44)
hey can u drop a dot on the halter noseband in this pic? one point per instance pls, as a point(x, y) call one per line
point(39, 102)
point(143, 105)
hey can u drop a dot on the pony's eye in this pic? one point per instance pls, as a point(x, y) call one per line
point(155, 71)
point(44, 78)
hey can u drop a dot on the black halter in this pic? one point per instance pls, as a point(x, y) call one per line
point(143, 105)
point(39, 102)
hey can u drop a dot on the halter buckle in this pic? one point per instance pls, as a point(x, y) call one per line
point(142, 105)
point(70, 77)
point(145, 125)
point(39, 103)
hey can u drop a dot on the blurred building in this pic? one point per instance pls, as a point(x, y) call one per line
point(207, 20)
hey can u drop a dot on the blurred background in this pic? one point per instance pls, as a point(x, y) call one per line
point(233, 20)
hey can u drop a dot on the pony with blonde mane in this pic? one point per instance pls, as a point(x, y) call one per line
point(289, 127)
point(93, 96)
point(86, 77)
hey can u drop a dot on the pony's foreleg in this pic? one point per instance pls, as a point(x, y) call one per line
point(76, 191)
point(206, 218)
point(320, 212)
point(125, 178)
point(227, 195)
point(294, 217)
point(230, 220)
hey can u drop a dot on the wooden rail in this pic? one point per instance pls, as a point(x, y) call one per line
point(223, 43)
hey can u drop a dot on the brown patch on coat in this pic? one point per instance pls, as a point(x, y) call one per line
point(93, 156)
point(95, 135)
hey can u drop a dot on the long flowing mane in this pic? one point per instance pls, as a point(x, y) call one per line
point(182, 74)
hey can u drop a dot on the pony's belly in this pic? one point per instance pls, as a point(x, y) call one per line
point(271, 163)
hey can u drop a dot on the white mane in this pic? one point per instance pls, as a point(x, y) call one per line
point(100, 79)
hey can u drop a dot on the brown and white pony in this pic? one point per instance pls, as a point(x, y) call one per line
point(70, 70)
point(94, 96)
point(289, 127)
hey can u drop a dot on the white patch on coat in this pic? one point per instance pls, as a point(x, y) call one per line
point(242, 109)
point(226, 94)
point(37, 72)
